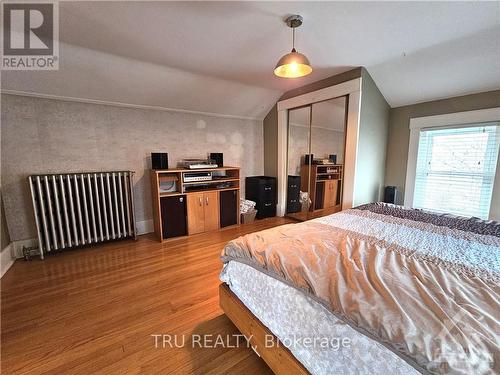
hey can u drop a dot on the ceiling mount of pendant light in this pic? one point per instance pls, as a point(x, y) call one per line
point(293, 64)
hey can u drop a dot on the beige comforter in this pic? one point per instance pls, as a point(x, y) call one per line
point(428, 292)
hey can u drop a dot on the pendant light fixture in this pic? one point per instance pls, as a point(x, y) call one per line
point(293, 64)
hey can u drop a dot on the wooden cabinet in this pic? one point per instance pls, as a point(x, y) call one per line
point(330, 193)
point(324, 183)
point(195, 213)
point(202, 212)
point(208, 205)
point(211, 200)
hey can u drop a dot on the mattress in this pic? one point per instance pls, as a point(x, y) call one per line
point(424, 286)
point(321, 342)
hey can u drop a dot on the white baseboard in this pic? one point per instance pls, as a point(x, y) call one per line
point(16, 247)
point(6, 259)
point(143, 227)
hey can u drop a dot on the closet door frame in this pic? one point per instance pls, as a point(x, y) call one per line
point(351, 89)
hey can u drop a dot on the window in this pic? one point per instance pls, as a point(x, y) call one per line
point(455, 169)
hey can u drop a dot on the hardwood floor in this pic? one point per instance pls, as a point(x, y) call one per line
point(95, 310)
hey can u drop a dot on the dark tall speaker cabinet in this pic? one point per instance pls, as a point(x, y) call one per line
point(174, 213)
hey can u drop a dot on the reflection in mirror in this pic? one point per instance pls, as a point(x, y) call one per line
point(298, 138)
point(298, 146)
point(317, 129)
point(328, 129)
point(327, 145)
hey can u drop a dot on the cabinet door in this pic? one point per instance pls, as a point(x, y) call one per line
point(331, 193)
point(196, 213)
point(321, 199)
point(326, 194)
point(228, 208)
point(173, 216)
point(211, 201)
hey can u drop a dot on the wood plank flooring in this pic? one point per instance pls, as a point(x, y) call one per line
point(93, 310)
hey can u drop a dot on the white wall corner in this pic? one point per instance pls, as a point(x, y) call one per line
point(144, 227)
point(6, 259)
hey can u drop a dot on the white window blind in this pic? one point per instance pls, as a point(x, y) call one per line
point(456, 169)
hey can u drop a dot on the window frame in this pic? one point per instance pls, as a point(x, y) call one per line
point(449, 120)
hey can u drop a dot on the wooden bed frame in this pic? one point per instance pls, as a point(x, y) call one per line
point(277, 357)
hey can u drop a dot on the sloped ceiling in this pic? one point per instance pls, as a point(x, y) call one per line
point(219, 57)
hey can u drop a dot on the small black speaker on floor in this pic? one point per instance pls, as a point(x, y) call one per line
point(218, 157)
point(159, 160)
point(390, 195)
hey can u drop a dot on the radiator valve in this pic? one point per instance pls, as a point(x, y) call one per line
point(28, 251)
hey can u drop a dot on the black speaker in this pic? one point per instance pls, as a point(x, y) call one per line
point(308, 158)
point(159, 160)
point(333, 158)
point(390, 195)
point(218, 157)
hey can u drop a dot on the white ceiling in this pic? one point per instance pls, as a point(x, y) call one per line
point(219, 56)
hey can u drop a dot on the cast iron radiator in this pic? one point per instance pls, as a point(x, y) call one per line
point(77, 209)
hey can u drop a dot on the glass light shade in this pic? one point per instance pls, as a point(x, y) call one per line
point(293, 65)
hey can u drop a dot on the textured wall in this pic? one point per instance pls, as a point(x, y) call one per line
point(41, 135)
point(399, 131)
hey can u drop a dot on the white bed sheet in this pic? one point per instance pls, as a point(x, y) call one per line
point(292, 316)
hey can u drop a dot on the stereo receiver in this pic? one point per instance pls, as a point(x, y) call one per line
point(197, 176)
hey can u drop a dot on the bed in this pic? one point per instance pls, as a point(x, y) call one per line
point(373, 290)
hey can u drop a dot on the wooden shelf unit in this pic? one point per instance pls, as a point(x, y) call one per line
point(202, 205)
point(326, 186)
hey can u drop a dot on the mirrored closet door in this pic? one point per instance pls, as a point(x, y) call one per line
point(316, 141)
